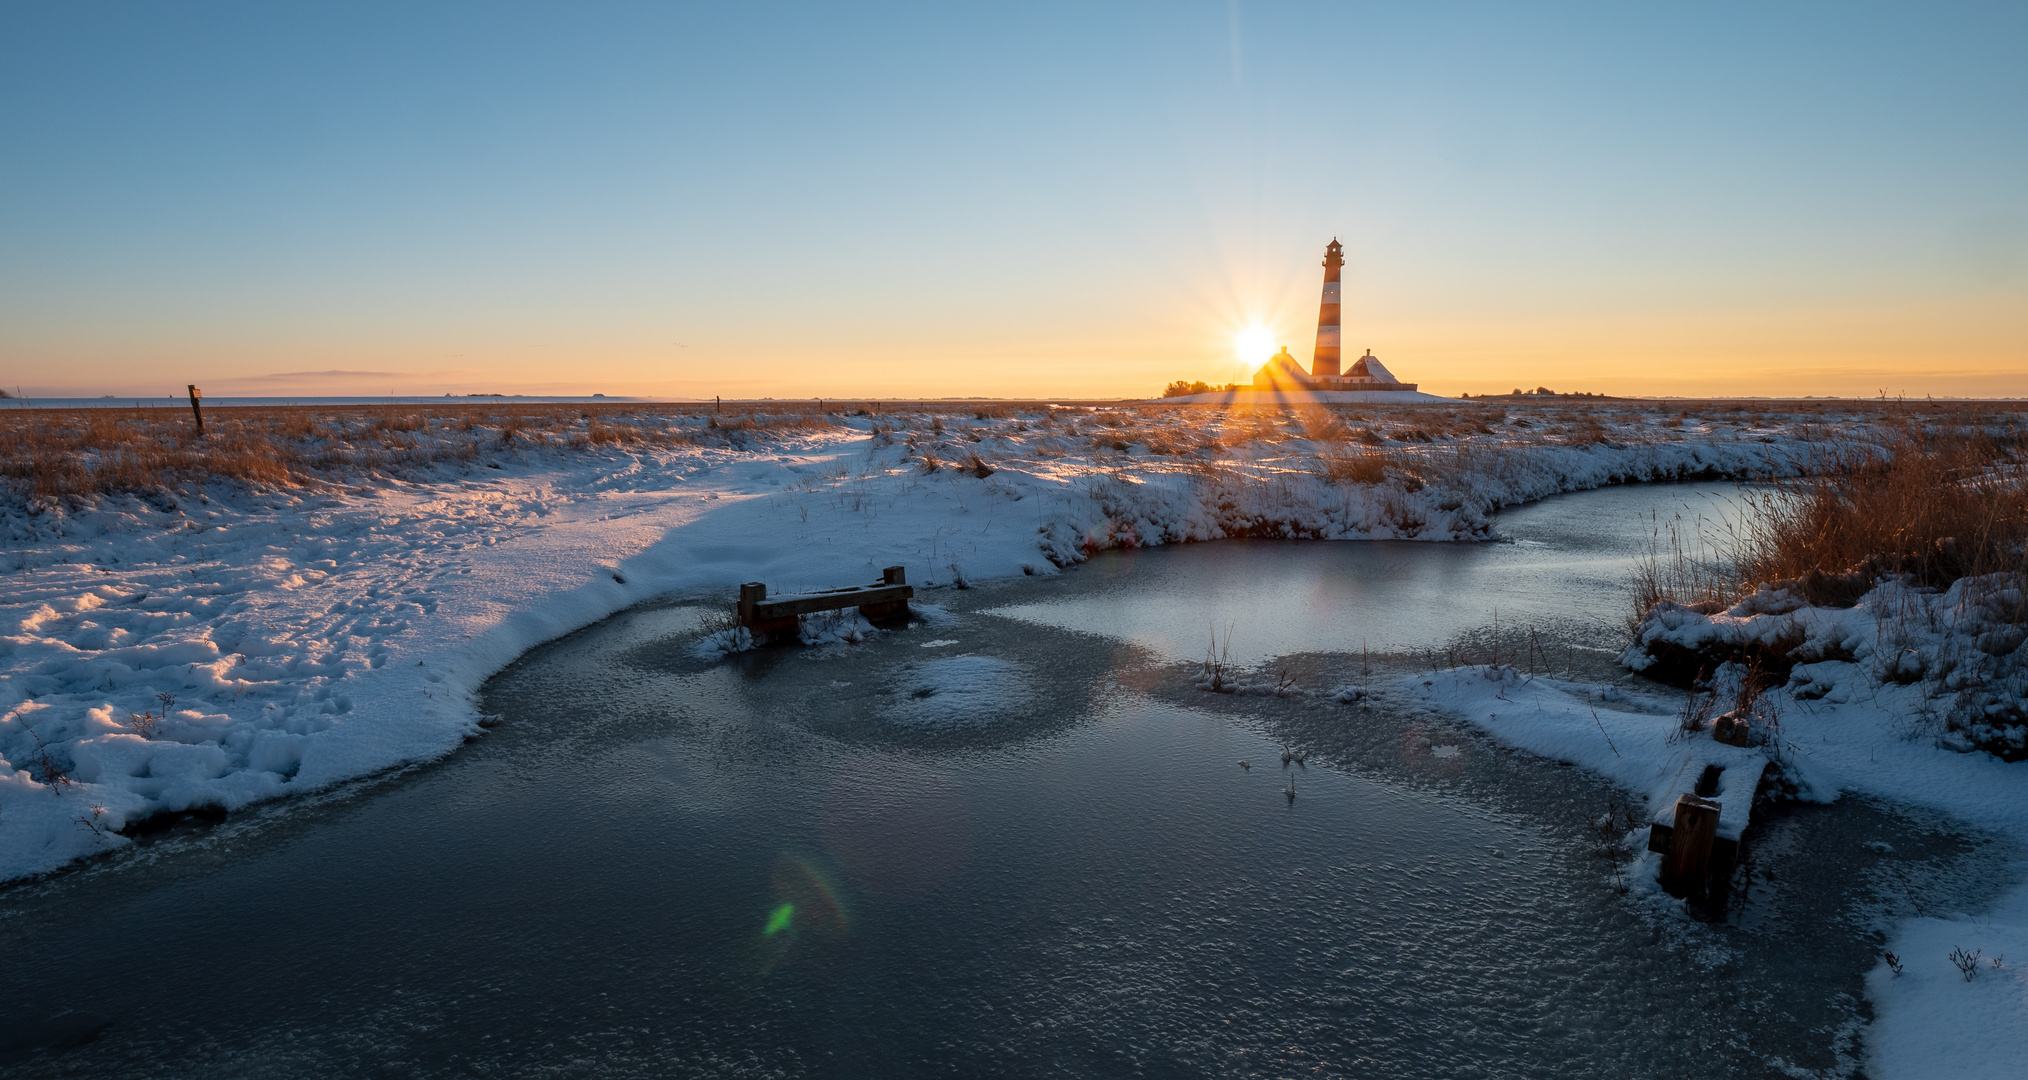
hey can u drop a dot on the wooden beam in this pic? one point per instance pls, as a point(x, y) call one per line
point(832, 600)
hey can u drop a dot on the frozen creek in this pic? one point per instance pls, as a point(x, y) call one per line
point(1012, 839)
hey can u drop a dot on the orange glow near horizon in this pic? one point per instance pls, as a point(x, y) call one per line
point(1216, 323)
point(1254, 345)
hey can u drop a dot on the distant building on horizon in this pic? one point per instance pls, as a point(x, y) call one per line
point(1281, 372)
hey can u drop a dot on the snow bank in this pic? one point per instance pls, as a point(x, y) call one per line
point(209, 648)
point(1611, 735)
point(1953, 664)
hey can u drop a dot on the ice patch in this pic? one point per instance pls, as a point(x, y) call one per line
point(959, 691)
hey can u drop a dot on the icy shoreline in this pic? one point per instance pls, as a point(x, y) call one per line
point(1887, 698)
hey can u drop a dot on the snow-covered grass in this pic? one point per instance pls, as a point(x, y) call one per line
point(53, 453)
point(177, 636)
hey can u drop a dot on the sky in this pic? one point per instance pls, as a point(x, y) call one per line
point(1033, 199)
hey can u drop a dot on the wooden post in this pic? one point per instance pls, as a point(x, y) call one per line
point(891, 610)
point(196, 396)
point(1732, 729)
point(751, 593)
point(1686, 868)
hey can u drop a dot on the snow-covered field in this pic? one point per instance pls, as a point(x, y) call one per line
point(211, 645)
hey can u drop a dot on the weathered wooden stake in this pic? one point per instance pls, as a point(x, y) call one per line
point(889, 610)
point(197, 395)
point(1686, 868)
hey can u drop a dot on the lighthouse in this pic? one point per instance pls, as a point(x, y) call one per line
point(1324, 361)
point(1282, 373)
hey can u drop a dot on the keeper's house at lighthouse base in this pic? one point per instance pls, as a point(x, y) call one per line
point(1283, 381)
point(1281, 372)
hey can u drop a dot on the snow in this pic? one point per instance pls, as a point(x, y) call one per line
point(1844, 725)
point(1932, 1021)
point(1637, 749)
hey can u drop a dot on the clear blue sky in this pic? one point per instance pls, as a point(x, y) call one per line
point(1026, 198)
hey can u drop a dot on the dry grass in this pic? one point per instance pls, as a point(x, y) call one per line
point(1352, 466)
point(1322, 426)
point(1178, 442)
point(1948, 503)
point(50, 453)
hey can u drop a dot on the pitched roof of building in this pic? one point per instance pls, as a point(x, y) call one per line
point(1370, 365)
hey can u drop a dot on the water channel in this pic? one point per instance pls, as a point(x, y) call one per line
point(1012, 839)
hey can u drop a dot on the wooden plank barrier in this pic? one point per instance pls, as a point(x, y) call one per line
point(885, 600)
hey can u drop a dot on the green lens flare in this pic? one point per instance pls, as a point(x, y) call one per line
point(779, 919)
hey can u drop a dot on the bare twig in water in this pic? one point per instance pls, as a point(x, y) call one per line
point(1217, 676)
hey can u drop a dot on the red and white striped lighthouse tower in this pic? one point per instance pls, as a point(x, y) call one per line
point(1324, 361)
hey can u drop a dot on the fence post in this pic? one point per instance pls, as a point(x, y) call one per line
point(196, 396)
point(1686, 868)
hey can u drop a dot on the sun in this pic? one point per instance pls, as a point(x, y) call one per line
point(1254, 344)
